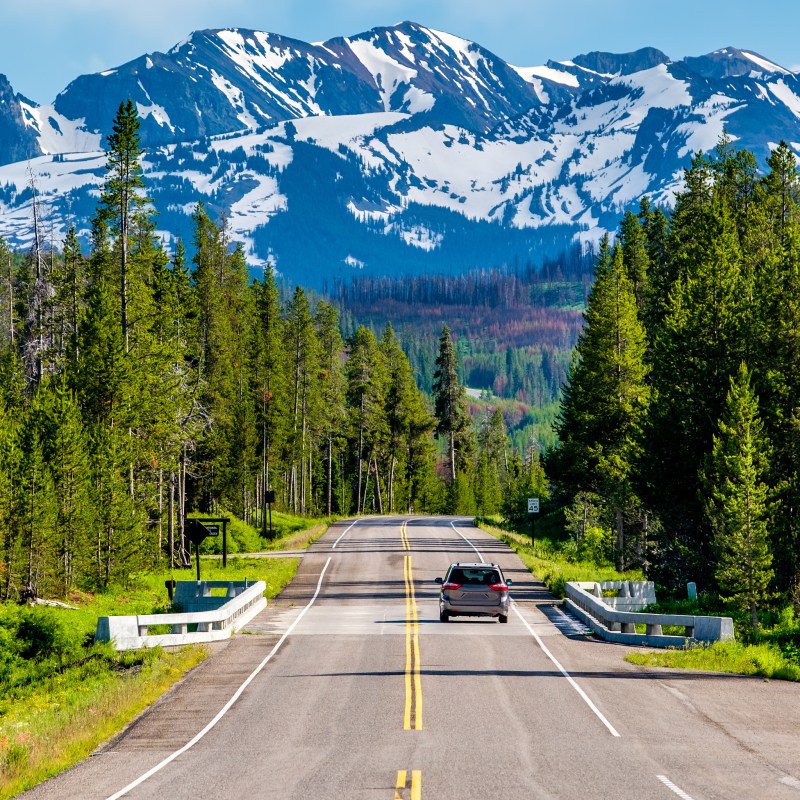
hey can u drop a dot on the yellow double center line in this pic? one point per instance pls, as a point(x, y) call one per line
point(412, 719)
point(404, 536)
point(402, 785)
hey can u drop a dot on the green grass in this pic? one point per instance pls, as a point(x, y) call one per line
point(289, 533)
point(547, 562)
point(68, 715)
point(61, 695)
point(765, 660)
point(772, 653)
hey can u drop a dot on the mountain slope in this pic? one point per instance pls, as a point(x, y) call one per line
point(402, 149)
point(220, 81)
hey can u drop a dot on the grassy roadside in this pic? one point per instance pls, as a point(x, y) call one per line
point(765, 660)
point(547, 562)
point(61, 695)
point(69, 714)
point(768, 659)
point(289, 532)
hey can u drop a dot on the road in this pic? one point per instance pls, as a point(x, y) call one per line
point(348, 686)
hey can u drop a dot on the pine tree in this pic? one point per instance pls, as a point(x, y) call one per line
point(121, 199)
point(303, 358)
point(8, 298)
point(10, 483)
point(69, 298)
point(633, 241)
point(606, 398)
point(492, 468)
point(223, 314)
point(65, 450)
point(407, 420)
point(661, 267)
point(366, 398)
point(779, 359)
point(699, 345)
point(526, 478)
point(738, 499)
point(269, 378)
point(332, 392)
point(450, 404)
point(36, 510)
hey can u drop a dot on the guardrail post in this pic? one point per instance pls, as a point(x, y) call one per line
point(653, 630)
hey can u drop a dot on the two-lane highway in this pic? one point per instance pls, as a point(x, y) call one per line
point(349, 686)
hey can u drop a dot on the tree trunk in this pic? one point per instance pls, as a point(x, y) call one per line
point(378, 485)
point(171, 520)
point(182, 507)
point(390, 490)
point(620, 543)
point(754, 616)
point(360, 464)
point(329, 488)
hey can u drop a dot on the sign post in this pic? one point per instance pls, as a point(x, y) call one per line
point(199, 528)
point(269, 499)
point(533, 510)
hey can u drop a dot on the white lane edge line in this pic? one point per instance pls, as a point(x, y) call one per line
point(575, 686)
point(453, 526)
point(612, 730)
point(224, 710)
point(673, 788)
point(343, 533)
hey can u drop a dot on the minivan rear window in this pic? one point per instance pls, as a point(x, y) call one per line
point(474, 577)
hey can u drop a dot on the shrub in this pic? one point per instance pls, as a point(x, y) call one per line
point(40, 634)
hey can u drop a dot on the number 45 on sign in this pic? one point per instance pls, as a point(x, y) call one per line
point(533, 505)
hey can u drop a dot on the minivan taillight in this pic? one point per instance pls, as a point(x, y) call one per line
point(498, 587)
point(451, 585)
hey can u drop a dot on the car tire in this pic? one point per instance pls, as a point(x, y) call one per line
point(444, 616)
point(503, 618)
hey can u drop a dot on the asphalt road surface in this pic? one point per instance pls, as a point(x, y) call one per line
point(348, 686)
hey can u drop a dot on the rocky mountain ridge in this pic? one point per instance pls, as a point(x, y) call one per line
point(402, 149)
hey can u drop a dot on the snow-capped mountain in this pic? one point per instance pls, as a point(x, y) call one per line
point(217, 81)
point(399, 149)
point(19, 137)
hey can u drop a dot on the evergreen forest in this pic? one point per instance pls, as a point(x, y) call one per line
point(679, 425)
point(139, 385)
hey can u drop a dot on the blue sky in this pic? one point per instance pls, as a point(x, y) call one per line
point(47, 43)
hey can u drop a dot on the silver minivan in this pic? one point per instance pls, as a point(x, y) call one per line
point(473, 590)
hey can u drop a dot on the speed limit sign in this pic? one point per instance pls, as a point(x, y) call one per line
point(533, 505)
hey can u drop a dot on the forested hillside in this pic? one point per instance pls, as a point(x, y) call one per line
point(679, 424)
point(137, 387)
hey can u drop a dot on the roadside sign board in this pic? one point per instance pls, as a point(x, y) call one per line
point(196, 531)
point(533, 505)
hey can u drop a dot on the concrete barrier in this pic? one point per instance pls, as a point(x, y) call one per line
point(586, 601)
point(213, 617)
point(628, 595)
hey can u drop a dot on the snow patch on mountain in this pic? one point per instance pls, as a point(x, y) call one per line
point(786, 96)
point(387, 72)
point(59, 134)
point(530, 74)
point(764, 64)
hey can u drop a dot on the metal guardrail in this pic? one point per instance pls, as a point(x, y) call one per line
point(243, 601)
point(585, 601)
